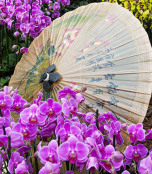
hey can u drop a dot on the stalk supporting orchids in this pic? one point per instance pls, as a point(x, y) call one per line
point(4, 130)
point(9, 147)
point(114, 140)
point(97, 122)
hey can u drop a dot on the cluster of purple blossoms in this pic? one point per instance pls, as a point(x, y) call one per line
point(28, 18)
point(62, 134)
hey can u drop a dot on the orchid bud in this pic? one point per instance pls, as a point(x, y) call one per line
point(113, 171)
point(124, 126)
point(16, 33)
point(49, 7)
point(117, 156)
point(50, 2)
point(17, 52)
point(24, 50)
point(48, 13)
point(23, 36)
point(26, 105)
point(14, 47)
point(84, 88)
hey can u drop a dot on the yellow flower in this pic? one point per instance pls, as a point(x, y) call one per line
point(146, 13)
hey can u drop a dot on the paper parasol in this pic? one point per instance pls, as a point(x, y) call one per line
point(102, 46)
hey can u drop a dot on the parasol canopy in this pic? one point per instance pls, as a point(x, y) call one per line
point(101, 46)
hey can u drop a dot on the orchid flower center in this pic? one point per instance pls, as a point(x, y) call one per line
point(50, 159)
point(50, 113)
point(136, 155)
point(25, 133)
point(1, 144)
point(107, 165)
point(3, 104)
point(17, 107)
point(72, 157)
point(33, 120)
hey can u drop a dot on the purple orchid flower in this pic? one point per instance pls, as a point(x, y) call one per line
point(90, 117)
point(135, 152)
point(7, 89)
point(32, 116)
point(24, 50)
point(68, 129)
point(65, 2)
point(49, 153)
point(24, 149)
point(56, 14)
point(66, 92)
point(56, 6)
point(6, 101)
point(94, 133)
point(136, 132)
point(80, 98)
point(37, 101)
point(92, 164)
point(94, 150)
point(50, 108)
point(108, 162)
point(47, 130)
point(149, 134)
point(50, 168)
point(24, 28)
point(73, 150)
point(3, 139)
point(18, 104)
point(28, 131)
point(145, 167)
point(107, 118)
point(14, 161)
point(24, 167)
point(69, 107)
point(4, 121)
point(114, 129)
point(16, 138)
point(36, 20)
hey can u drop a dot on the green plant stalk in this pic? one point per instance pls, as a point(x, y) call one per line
point(7, 45)
point(36, 162)
point(1, 43)
point(9, 147)
point(4, 162)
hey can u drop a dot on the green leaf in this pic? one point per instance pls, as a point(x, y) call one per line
point(3, 81)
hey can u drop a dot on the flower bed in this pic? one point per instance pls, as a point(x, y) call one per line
point(64, 139)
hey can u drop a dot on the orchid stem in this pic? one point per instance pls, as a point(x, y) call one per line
point(4, 130)
point(4, 162)
point(114, 139)
point(7, 44)
point(9, 147)
point(97, 123)
point(1, 47)
point(1, 113)
point(67, 165)
point(36, 162)
point(59, 140)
